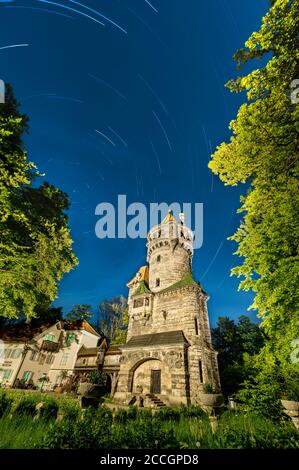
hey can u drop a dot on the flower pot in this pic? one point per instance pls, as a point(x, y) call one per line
point(290, 405)
point(211, 399)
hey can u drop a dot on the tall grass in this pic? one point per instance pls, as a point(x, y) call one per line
point(22, 432)
point(21, 428)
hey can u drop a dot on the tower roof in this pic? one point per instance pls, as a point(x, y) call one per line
point(140, 276)
point(169, 218)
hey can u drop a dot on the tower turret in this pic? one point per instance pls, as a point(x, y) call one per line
point(169, 252)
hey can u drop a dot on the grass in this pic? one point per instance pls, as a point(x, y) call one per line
point(22, 432)
point(188, 428)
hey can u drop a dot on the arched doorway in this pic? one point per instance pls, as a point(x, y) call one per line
point(150, 375)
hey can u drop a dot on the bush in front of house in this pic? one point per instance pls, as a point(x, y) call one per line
point(5, 403)
point(26, 406)
point(49, 409)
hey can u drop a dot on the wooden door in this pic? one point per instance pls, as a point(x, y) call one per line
point(155, 381)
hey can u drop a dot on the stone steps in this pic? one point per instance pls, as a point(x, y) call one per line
point(155, 400)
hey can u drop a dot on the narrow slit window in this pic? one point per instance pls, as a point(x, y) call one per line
point(196, 326)
point(200, 372)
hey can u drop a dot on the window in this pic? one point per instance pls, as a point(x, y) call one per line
point(138, 303)
point(200, 372)
point(50, 359)
point(41, 358)
point(70, 338)
point(15, 354)
point(7, 374)
point(7, 353)
point(64, 359)
point(49, 337)
point(196, 326)
point(27, 375)
point(158, 258)
point(34, 356)
point(146, 302)
point(157, 282)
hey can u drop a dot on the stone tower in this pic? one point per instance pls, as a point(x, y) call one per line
point(168, 354)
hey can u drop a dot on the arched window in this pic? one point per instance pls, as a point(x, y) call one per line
point(157, 282)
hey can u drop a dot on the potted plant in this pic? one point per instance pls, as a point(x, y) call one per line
point(209, 397)
point(62, 377)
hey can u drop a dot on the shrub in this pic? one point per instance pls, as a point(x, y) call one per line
point(125, 415)
point(49, 409)
point(240, 430)
point(208, 388)
point(144, 433)
point(26, 406)
point(5, 403)
point(69, 409)
point(90, 432)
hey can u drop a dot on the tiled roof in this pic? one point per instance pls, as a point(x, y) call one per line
point(21, 333)
point(83, 351)
point(155, 339)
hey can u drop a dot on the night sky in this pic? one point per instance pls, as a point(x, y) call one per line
point(149, 77)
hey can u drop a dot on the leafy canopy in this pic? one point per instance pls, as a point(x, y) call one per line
point(263, 152)
point(35, 242)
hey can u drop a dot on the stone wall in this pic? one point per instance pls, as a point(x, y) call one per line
point(174, 262)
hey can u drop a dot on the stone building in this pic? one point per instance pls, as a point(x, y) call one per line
point(168, 356)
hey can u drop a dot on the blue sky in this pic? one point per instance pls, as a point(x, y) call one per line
point(149, 76)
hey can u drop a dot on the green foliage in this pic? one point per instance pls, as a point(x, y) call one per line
point(265, 383)
point(35, 243)
point(79, 312)
point(49, 410)
point(114, 319)
point(22, 432)
point(232, 340)
point(97, 377)
point(26, 406)
point(5, 403)
point(251, 431)
point(263, 152)
point(208, 388)
point(90, 432)
point(182, 427)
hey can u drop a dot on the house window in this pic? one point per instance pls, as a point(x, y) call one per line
point(137, 303)
point(34, 356)
point(41, 358)
point(64, 359)
point(15, 354)
point(7, 374)
point(157, 282)
point(158, 258)
point(27, 375)
point(200, 372)
point(49, 337)
point(7, 353)
point(71, 337)
point(50, 358)
point(196, 326)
